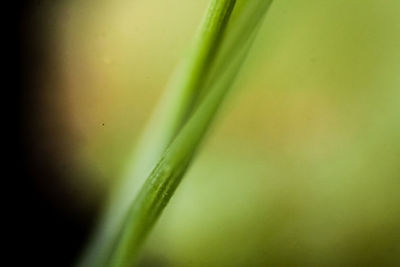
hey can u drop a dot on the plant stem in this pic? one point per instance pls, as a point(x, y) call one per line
point(172, 112)
point(167, 174)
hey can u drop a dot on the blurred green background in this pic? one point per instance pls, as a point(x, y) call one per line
point(302, 167)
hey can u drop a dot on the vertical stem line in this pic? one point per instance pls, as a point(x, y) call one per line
point(172, 112)
point(167, 174)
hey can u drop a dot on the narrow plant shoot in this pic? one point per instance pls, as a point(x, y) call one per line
point(180, 122)
point(170, 169)
point(172, 112)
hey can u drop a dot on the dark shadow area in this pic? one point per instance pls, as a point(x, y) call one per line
point(47, 235)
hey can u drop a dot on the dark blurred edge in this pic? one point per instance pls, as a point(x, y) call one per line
point(43, 234)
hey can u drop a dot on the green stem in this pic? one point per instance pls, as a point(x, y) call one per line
point(167, 174)
point(172, 112)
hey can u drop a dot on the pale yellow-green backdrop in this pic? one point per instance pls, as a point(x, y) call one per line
point(302, 167)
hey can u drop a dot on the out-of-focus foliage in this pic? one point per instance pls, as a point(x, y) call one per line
point(303, 167)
